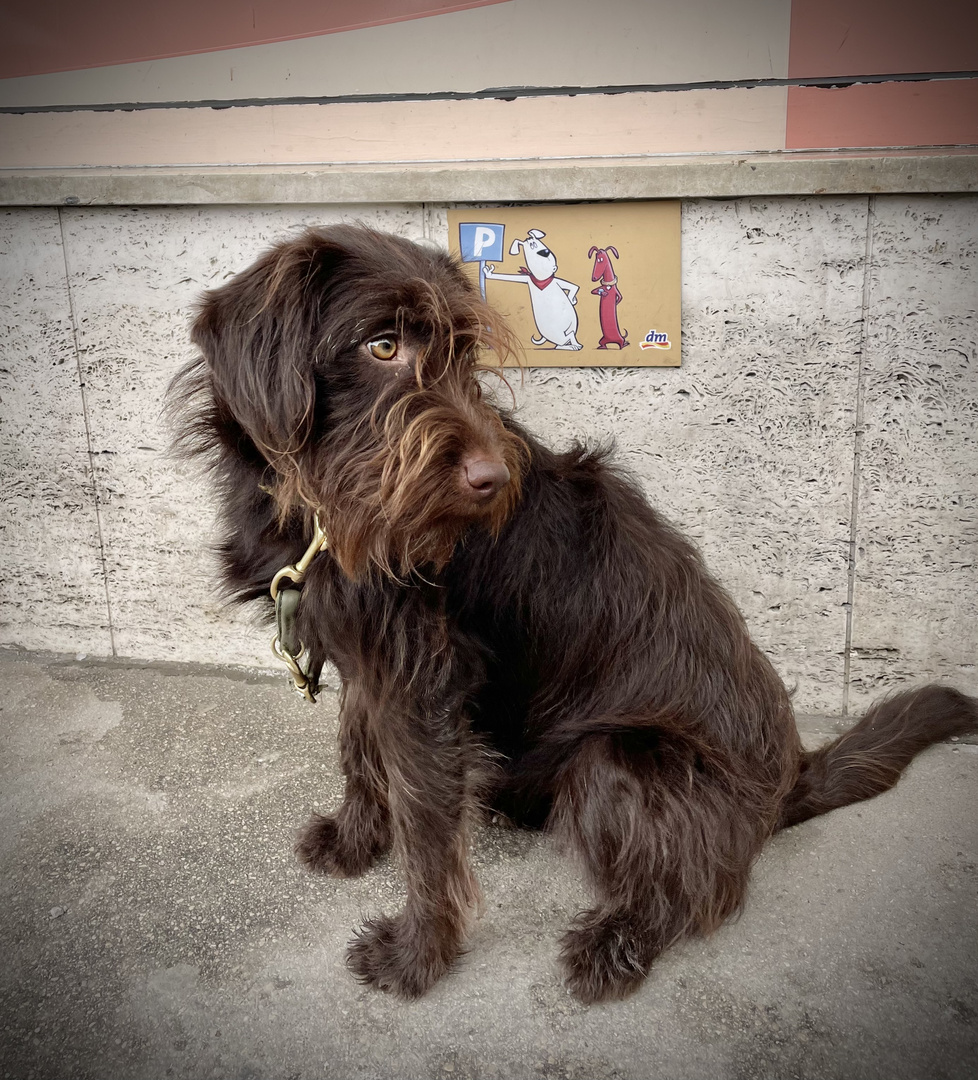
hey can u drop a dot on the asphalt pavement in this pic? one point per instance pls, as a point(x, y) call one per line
point(156, 925)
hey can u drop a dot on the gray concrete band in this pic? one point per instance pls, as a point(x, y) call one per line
point(724, 176)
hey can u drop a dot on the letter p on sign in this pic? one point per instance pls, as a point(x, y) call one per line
point(480, 242)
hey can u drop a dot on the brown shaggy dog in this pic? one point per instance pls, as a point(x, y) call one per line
point(514, 628)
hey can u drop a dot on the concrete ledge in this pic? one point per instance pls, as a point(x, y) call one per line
point(727, 176)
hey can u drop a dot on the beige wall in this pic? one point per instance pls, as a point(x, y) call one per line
point(536, 129)
point(523, 43)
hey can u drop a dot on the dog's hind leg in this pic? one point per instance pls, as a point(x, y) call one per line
point(349, 842)
point(667, 836)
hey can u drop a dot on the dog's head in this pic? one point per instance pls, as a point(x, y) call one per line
point(540, 260)
point(345, 365)
point(603, 269)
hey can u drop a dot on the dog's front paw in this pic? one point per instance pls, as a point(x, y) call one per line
point(604, 959)
point(386, 955)
point(324, 846)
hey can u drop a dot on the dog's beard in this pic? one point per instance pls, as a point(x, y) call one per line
point(393, 500)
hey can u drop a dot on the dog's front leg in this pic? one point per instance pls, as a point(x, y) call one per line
point(426, 754)
point(348, 843)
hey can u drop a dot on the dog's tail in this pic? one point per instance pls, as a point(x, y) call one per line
point(869, 758)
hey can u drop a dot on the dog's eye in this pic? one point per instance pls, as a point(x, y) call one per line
point(384, 348)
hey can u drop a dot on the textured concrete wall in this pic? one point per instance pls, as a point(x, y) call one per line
point(828, 400)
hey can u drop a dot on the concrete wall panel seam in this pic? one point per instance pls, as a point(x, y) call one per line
point(83, 400)
point(857, 439)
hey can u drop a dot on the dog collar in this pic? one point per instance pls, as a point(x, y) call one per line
point(286, 645)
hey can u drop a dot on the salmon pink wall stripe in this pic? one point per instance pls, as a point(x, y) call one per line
point(64, 35)
point(881, 37)
point(895, 114)
point(851, 38)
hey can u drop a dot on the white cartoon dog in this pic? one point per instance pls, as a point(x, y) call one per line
point(552, 299)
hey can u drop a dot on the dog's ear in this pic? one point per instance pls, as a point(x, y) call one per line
point(592, 251)
point(537, 234)
point(514, 247)
point(260, 335)
point(613, 250)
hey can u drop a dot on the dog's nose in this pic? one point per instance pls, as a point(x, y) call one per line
point(484, 477)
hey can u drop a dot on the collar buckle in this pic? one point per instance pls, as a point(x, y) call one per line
point(286, 646)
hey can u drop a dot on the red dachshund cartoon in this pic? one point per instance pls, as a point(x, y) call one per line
point(607, 290)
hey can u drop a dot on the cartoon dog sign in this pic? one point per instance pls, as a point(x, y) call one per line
point(628, 250)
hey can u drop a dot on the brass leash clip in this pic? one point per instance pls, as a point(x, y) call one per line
point(285, 645)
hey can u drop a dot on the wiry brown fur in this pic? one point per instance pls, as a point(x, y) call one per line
point(541, 641)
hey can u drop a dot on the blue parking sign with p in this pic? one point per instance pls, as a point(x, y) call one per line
point(480, 242)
